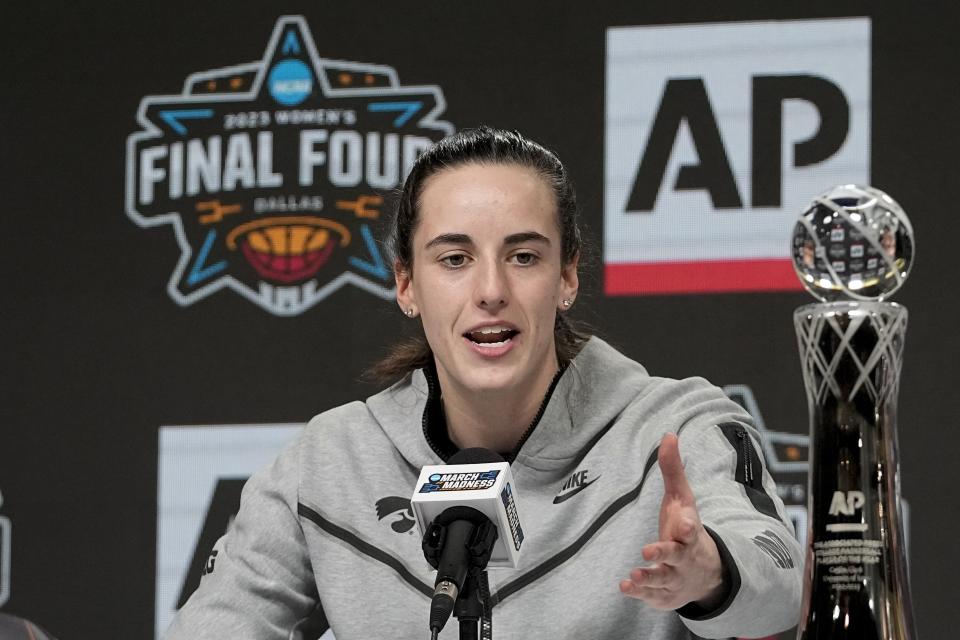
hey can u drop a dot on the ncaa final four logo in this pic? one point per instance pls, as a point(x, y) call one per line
point(272, 173)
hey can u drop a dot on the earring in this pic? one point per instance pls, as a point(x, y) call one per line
point(410, 312)
point(567, 303)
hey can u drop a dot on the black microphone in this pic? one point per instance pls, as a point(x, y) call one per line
point(458, 543)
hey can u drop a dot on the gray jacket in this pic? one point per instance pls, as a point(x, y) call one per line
point(324, 536)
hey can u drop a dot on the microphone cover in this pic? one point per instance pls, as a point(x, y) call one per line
point(476, 479)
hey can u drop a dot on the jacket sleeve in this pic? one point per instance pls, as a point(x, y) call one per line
point(738, 504)
point(261, 584)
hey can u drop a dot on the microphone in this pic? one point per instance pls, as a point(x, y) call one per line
point(467, 514)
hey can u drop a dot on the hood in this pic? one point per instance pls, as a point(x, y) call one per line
point(399, 411)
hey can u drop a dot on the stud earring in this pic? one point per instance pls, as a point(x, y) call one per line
point(567, 303)
point(410, 312)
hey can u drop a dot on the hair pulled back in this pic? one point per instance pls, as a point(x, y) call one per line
point(483, 145)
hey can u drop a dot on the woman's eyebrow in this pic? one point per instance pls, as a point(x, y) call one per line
point(449, 238)
point(512, 239)
point(525, 236)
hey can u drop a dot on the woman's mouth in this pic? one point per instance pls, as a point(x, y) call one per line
point(491, 337)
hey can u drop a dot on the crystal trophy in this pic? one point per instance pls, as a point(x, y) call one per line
point(852, 248)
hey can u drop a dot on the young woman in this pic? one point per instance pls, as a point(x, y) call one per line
point(647, 510)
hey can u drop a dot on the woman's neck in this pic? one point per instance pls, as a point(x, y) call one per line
point(494, 420)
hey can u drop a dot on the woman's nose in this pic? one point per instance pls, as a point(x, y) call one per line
point(491, 288)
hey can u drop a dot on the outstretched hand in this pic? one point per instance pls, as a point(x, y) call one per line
point(686, 563)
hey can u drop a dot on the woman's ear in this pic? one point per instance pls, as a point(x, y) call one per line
point(570, 280)
point(405, 295)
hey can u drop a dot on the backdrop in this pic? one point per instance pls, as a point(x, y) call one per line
point(193, 201)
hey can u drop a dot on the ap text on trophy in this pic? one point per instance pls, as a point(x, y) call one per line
point(852, 248)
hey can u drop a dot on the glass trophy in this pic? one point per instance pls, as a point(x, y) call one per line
point(852, 248)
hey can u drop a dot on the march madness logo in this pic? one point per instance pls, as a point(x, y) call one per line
point(272, 173)
point(474, 481)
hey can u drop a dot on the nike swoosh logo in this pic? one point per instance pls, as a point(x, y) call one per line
point(569, 495)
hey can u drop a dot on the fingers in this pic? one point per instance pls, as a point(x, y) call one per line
point(655, 598)
point(668, 552)
point(655, 577)
point(671, 467)
point(679, 519)
point(684, 569)
point(658, 586)
point(682, 573)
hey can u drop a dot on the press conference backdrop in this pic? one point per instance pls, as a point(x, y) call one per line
point(195, 201)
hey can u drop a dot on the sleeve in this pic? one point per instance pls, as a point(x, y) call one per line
point(739, 506)
point(259, 583)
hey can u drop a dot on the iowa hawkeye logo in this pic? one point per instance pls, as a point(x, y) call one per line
point(272, 173)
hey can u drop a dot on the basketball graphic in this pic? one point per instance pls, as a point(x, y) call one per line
point(289, 249)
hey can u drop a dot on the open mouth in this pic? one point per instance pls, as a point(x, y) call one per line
point(491, 337)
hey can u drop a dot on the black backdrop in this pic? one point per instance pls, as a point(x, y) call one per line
point(97, 356)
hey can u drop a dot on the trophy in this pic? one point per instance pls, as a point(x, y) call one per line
point(852, 248)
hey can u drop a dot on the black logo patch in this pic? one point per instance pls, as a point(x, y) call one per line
point(224, 506)
point(773, 546)
point(574, 485)
point(211, 562)
point(395, 505)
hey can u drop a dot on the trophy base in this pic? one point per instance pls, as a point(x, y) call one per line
point(856, 583)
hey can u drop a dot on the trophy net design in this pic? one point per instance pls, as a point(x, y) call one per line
point(852, 248)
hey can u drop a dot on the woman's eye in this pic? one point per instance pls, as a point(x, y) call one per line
point(456, 260)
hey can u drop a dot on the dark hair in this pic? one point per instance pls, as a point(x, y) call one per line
point(483, 145)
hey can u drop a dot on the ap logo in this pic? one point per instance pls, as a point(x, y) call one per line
point(717, 136)
point(271, 173)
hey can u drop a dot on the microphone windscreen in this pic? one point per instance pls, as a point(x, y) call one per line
point(481, 480)
point(475, 455)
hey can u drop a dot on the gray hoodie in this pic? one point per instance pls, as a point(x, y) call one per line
point(324, 536)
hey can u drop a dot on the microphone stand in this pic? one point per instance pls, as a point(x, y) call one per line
point(468, 608)
point(472, 609)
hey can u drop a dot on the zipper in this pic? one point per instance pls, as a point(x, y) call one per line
point(749, 468)
point(536, 419)
point(529, 432)
point(424, 421)
point(747, 449)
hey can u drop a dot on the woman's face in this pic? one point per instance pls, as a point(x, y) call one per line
point(487, 278)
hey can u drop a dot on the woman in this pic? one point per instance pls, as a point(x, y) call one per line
point(486, 246)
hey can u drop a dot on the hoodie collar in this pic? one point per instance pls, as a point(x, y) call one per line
point(583, 400)
point(434, 422)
